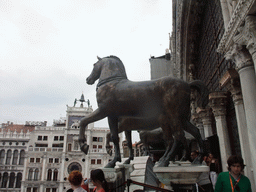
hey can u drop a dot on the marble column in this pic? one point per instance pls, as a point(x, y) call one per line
point(218, 101)
point(231, 82)
point(243, 60)
point(205, 115)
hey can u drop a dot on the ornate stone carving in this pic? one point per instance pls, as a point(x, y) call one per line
point(231, 81)
point(218, 101)
point(205, 115)
point(242, 9)
point(240, 56)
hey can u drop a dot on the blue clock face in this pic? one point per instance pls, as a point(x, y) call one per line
point(73, 119)
point(74, 166)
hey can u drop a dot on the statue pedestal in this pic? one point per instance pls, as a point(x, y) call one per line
point(117, 176)
point(128, 168)
point(180, 175)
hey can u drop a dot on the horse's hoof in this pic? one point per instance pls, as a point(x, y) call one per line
point(110, 165)
point(85, 148)
point(162, 164)
point(127, 161)
point(197, 161)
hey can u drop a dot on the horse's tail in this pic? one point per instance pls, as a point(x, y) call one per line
point(202, 89)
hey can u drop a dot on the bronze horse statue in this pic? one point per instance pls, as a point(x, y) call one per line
point(144, 105)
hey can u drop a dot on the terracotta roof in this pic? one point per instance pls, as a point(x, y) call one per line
point(18, 128)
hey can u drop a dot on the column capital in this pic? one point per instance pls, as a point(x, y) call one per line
point(218, 101)
point(205, 115)
point(231, 81)
point(240, 56)
point(247, 34)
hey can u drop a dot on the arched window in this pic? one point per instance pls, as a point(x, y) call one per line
point(8, 158)
point(2, 154)
point(22, 157)
point(15, 157)
point(36, 174)
point(76, 146)
point(11, 181)
point(5, 179)
point(18, 181)
point(49, 175)
point(55, 175)
point(69, 147)
point(30, 174)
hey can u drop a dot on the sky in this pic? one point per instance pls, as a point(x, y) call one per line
point(48, 48)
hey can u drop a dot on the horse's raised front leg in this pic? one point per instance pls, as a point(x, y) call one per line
point(128, 135)
point(113, 125)
point(95, 116)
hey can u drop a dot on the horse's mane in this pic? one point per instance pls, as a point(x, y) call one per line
point(115, 57)
point(120, 64)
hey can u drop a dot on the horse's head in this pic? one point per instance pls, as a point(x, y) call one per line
point(105, 69)
point(95, 74)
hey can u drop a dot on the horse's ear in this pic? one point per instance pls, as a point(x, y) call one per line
point(98, 58)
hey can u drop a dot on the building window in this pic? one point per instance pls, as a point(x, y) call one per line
point(57, 145)
point(5, 179)
point(69, 147)
point(94, 146)
point(36, 174)
point(48, 189)
point(22, 157)
point(61, 138)
point(55, 175)
point(2, 154)
point(34, 189)
point(32, 160)
point(37, 160)
point(11, 180)
point(45, 138)
point(98, 161)
point(18, 181)
point(41, 145)
point(50, 160)
point(56, 160)
point(30, 174)
point(39, 138)
point(29, 189)
point(9, 156)
point(49, 175)
point(56, 138)
point(76, 145)
point(54, 189)
point(15, 157)
point(100, 139)
point(92, 161)
point(99, 146)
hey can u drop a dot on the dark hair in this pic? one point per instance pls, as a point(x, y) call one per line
point(235, 159)
point(98, 175)
point(75, 178)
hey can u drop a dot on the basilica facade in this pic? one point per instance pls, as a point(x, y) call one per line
point(215, 41)
point(38, 158)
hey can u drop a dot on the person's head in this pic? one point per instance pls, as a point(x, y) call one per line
point(75, 178)
point(194, 154)
point(98, 178)
point(235, 164)
point(210, 156)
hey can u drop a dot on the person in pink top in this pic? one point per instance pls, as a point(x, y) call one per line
point(99, 181)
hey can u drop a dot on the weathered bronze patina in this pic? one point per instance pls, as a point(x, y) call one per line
point(144, 105)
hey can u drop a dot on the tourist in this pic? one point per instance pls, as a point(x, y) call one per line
point(214, 168)
point(233, 180)
point(99, 181)
point(204, 183)
point(85, 184)
point(75, 179)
